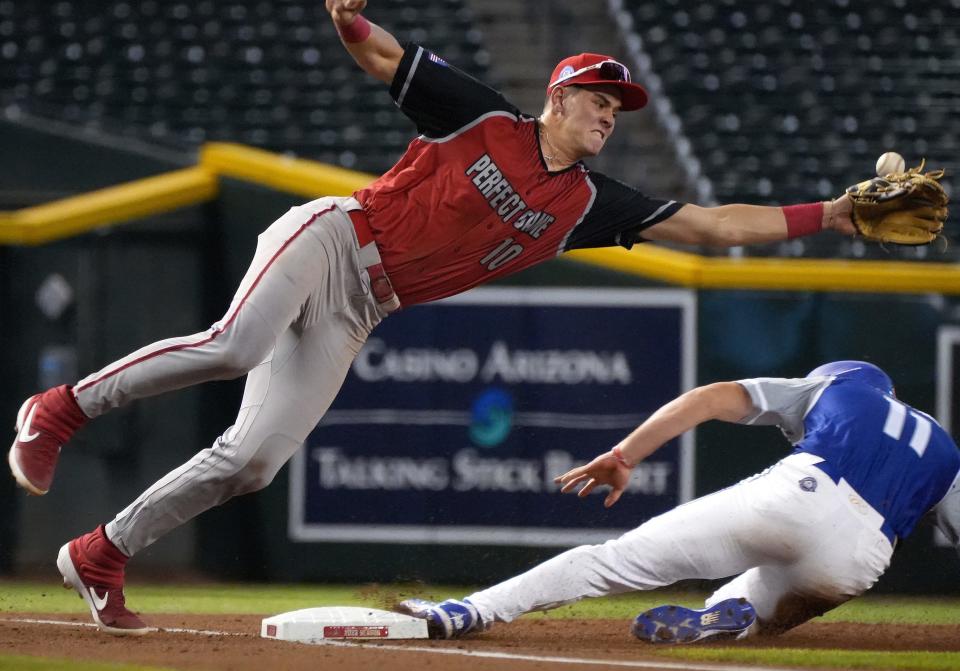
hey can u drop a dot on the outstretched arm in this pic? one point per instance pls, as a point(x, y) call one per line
point(373, 48)
point(733, 225)
point(727, 401)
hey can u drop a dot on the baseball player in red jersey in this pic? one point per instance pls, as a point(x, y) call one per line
point(482, 192)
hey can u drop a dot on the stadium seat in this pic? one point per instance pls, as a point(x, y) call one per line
point(788, 101)
point(271, 73)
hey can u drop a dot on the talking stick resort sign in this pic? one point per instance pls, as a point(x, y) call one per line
point(457, 415)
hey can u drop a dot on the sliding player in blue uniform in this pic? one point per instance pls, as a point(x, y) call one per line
point(816, 529)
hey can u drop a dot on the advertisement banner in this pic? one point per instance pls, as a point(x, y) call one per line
point(948, 379)
point(457, 415)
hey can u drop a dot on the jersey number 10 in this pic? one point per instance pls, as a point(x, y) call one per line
point(897, 416)
point(505, 251)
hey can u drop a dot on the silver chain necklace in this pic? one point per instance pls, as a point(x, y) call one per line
point(543, 139)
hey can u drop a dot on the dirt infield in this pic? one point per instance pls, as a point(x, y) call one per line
point(239, 647)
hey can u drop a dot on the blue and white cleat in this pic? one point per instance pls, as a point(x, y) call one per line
point(676, 624)
point(447, 619)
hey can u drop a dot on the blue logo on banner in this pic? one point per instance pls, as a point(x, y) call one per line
point(491, 418)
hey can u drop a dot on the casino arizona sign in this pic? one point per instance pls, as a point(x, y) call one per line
point(378, 362)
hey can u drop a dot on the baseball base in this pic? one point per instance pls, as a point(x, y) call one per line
point(314, 625)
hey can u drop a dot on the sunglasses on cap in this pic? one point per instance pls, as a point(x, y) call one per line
point(610, 71)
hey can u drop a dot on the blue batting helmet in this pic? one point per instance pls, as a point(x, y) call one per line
point(856, 370)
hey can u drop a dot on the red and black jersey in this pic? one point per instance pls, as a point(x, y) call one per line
point(472, 200)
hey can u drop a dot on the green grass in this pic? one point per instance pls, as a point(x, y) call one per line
point(255, 599)
point(268, 599)
point(21, 597)
point(837, 659)
point(868, 609)
point(872, 609)
point(24, 663)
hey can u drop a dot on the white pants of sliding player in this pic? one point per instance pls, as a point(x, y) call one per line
point(802, 543)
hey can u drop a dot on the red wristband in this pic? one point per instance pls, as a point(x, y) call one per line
point(805, 219)
point(357, 31)
point(618, 455)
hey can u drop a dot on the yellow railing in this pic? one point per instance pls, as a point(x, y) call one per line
point(692, 270)
point(172, 190)
point(292, 175)
point(191, 186)
point(115, 204)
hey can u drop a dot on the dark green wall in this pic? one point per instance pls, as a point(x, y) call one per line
point(132, 285)
point(49, 161)
point(741, 334)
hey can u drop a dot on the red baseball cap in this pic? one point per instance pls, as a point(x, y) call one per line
point(584, 69)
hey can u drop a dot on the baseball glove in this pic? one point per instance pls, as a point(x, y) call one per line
point(904, 208)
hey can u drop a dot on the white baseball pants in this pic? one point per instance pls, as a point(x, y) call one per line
point(300, 316)
point(799, 552)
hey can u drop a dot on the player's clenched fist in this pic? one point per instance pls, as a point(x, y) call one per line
point(345, 11)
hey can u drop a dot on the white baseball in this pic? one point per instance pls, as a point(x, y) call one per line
point(890, 162)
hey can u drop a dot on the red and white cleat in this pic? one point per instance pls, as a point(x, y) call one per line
point(45, 423)
point(94, 567)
